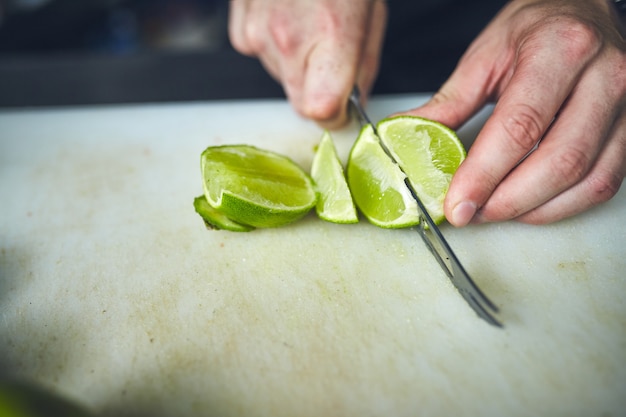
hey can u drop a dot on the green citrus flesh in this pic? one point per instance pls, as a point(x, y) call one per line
point(334, 203)
point(256, 187)
point(429, 154)
point(377, 184)
point(215, 219)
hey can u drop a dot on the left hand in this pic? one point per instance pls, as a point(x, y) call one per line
point(557, 69)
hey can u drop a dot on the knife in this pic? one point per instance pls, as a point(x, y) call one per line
point(434, 240)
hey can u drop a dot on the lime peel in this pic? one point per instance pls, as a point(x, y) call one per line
point(214, 219)
point(334, 203)
point(255, 187)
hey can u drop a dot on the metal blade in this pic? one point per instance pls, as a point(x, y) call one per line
point(436, 243)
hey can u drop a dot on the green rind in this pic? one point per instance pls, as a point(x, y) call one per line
point(256, 187)
point(247, 212)
point(214, 219)
point(335, 203)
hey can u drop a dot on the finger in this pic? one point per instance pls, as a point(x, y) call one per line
point(367, 70)
point(524, 111)
point(565, 155)
point(248, 32)
point(601, 183)
point(280, 35)
point(326, 87)
point(237, 13)
point(285, 56)
point(471, 84)
point(331, 69)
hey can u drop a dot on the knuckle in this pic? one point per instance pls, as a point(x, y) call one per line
point(603, 186)
point(254, 38)
point(284, 34)
point(523, 128)
point(503, 210)
point(237, 39)
point(240, 44)
point(440, 96)
point(582, 39)
point(328, 21)
point(570, 165)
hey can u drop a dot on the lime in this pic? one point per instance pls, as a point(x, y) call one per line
point(334, 203)
point(214, 219)
point(22, 399)
point(426, 151)
point(377, 184)
point(256, 187)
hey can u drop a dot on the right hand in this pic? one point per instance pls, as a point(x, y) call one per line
point(318, 50)
point(556, 70)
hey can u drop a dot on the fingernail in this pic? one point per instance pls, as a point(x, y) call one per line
point(463, 213)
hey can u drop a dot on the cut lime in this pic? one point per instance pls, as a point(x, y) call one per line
point(428, 152)
point(256, 187)
point(25, 399)
point(214, 219)
point(377, 184)
point(334, 203)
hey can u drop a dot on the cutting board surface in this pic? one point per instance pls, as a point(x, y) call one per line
point(113, 293)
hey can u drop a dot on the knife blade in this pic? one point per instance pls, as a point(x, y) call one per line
point(434, 239)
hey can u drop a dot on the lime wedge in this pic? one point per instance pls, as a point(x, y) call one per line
point(377, 184)
point(428, 152)
point(334, 202)
point(214, 219)
point(255, 187)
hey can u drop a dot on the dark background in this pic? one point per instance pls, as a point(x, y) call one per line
point(82, 52)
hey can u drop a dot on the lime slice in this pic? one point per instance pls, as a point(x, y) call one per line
point(256, 187)
point(334, 202)
point(377, 184)
point(428, 152)
point(214, 219)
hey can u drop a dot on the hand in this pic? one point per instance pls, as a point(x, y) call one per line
point(317, 49)
point(557, 70)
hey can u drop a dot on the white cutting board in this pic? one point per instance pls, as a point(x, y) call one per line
point(113, 293)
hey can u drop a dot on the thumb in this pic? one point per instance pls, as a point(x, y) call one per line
point(461, 96)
